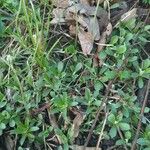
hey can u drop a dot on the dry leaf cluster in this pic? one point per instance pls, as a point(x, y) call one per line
point(84, 19)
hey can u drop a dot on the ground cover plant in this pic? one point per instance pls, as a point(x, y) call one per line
point(74, 75)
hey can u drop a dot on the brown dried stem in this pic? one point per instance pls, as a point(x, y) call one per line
point(98, 112)
point(140, 117)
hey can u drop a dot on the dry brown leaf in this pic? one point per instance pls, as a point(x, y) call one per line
point(76, 124)
point(94, 28)
point(102, 41)
point(75, 8)
point(9, 143)
point(90, 23)
point(61, 3)
point(69, 16)
point(86, 41)
point(85, 2)
point(129, 15)
point(72, 30)
point(109, 29)
point(77, 147)
point(83, 21)
point(58, 14)
point(99, 1)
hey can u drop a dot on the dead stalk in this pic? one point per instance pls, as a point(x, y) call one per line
point(140, 117)
point(101, 133)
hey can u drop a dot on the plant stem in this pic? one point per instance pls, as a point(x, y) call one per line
point(140, 117)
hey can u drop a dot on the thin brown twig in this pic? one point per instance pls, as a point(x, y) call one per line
point(101, 133)
point(140, 117)
point(39, 110)
point(98, 112)
point(121, 136)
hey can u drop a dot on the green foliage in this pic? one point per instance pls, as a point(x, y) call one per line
point(146, 1)
point(36, 70)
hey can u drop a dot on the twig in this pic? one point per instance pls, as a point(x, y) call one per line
point(101, 133)
point(54, 124)
point(140, 117)
point(112, 147)
point(39, 110)
point(120, 134)
point(98, 112)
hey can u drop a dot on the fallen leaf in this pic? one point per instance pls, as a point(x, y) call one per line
point(85, 2)
point(90, 11)
point(58, 14)
point(76, 123)
point(61, 3)
point(96, 61)
point(86, 41)
point(129, 15)
point(102, 41)
point(99, 1)
point(94, 28)
point(109, 29)
point(72, 30)
point(91, 24)
point(9, 143)
point(75, 8)
point(70, 18)
point(83, 21)
point(77, 147)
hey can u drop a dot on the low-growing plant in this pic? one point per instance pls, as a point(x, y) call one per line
point(41, 80)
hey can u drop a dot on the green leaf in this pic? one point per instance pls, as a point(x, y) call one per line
point(119, 117)
point(113, 132)
point(34, 128)
point(129, 37)
point(115, 5)
point(147, 27)
point(120, 142)
point(114, 39)
point(134, 50)
point(146, 63)
point(60, 66)
point(1, 94)
point(20, 148)
point(142, 141)
point(22, 140)
point(143, 39)
point(88, 95)
point(2, 126)
point(98, 85)
point(131, 59)
point(70, 49)
point(110, 74)
point(148, 148)
point(121, 49)
point(78, 67)
point(122, 32)
point(130, 24)
point(146, 110)
point(2, 104)
point(111, 118)
point(128, 135)
point(124, 126)
point(125, 74)
point(12, 123)
point(1, 27)
point(102, 55)
point(140, 83)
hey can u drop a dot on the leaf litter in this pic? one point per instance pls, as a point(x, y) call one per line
point(83, 20)
point(88, 22)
